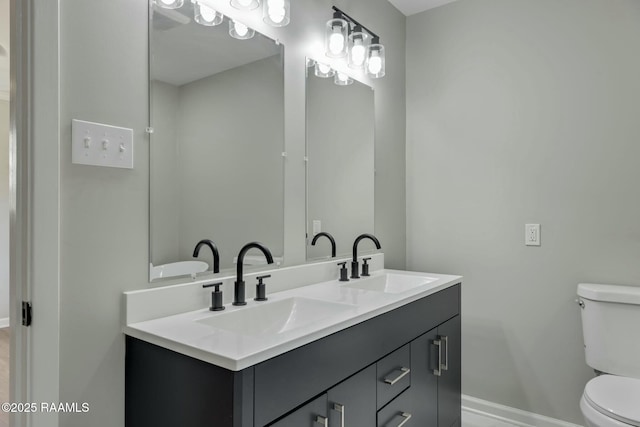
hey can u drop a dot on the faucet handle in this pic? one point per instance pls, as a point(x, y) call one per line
point(365, 267)
point(261, 278)
point(261, 289)
point(344, 273)
point(216, 296)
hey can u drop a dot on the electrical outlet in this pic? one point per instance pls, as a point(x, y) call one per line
point(532, 234)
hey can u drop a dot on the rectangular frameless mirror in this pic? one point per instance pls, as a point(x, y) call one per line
point(340, 167)
point(217, 120)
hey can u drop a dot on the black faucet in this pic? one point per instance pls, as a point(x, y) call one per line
point(354, 262)
point(214, 250)
point(331, 239)
point(238, 291)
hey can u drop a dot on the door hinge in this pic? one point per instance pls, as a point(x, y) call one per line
point(26, 313)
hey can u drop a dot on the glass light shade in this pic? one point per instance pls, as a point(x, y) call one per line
point(323, 70)
point(205, 15)
point(336, 38)
point(342, 79)
point(276, 12)
point(245, 4)
point(358, 41)
point(169, 4)
point(240, 31)
point(375, 62)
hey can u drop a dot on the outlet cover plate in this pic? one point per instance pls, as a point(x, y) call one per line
point(532, 234)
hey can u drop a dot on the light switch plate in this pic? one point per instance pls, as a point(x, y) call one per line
point(97, 144)
point(532, 234)
point(317, 226)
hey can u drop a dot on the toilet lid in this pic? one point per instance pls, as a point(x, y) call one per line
point(616, 397)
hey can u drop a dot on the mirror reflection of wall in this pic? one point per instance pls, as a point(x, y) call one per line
point(217, 113)
point(340, 168)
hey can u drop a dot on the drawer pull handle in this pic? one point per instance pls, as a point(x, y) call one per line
point(438, 371)
point(403, 373)
point(445, 340)
point(406, 417)
point(340, 408)
point(324, 422)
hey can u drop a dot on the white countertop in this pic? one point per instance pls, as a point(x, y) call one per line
point(186, 334)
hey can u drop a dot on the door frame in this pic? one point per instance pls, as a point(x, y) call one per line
point(34, 163)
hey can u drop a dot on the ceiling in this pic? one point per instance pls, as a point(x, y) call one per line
point(411, 7)
point(183, 51)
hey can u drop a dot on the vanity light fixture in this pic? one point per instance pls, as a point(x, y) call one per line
point(239, 31)
point(336, 36)
point(206, 15)
point(347, 37)
point(276, 12)
point(342, 79)
point(323, 70)
point(245, 4)
point(169, 4)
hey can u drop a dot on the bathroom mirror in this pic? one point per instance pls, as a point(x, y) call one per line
point(216, 142)
point(340, 162)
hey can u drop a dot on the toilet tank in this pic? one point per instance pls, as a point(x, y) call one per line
point(611, 327)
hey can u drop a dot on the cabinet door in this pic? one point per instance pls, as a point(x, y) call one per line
point(313, 414)
point(352, 403)
point(449, 383)
point(424, 384)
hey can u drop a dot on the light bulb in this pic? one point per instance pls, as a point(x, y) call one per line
point(207, 13)
point(343, 77)
point(324, 68)
point(170, 4)
point(358, 54)
point(244, 3)
point(336, 43)
point(375, 64)
point(241, 29)
point(277, 14)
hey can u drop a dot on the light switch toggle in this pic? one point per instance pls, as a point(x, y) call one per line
point(122, 148)
point(105, 144)
point(87, 142)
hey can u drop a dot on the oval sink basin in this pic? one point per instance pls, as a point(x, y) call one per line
point(275, 317)
point(390, 283)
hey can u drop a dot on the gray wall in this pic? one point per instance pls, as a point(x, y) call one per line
point(218, 145)
point(231, 172)
point(165, 195)
point(104, 212)
point(4, 210)
point(340, 174)
point(519, 112)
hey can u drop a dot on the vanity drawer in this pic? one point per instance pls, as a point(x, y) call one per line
point(394, 374)
point(399, 412)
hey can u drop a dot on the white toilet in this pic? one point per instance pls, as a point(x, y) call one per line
point(611, 328)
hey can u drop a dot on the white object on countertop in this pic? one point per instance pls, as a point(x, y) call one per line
point(180, 268)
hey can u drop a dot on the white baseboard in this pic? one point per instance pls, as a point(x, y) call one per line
point(510, 415)
point(4, 323)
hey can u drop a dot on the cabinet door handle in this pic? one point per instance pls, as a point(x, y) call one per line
point(445, 340)
point(405, 419)
point(324, 422)
point(403, 373)
point(438, 371)
point(340, 408)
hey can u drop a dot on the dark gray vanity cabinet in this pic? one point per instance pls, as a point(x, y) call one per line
point(381, 372)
